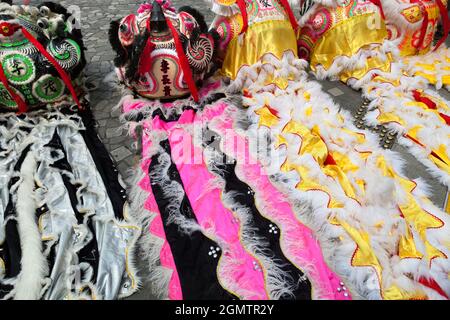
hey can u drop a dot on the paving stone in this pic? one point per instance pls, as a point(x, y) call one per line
point(335, 92)
point(121, 153)
point(113, 132)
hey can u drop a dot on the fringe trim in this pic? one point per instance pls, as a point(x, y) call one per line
point(150, 245)
point(34, 264)
point(277, 283)
point(392, 10)
point(358, 61)
point(268, 207)
point(387, 98)
point(437, 59)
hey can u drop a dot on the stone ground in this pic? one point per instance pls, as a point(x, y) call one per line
point(95, 18)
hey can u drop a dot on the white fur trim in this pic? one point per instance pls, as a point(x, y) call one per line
point(34, 264)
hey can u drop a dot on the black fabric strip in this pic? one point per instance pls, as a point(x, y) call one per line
point(89, 253)
point(243, 195)
point(11, 252)
point(105, 165)
point(197, 268)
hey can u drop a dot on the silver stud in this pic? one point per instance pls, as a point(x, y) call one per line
point(346, 294)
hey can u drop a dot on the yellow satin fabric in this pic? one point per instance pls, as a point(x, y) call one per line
point(346, 39)
point(416, 217)
point(365, 257)
point(274, 37)
point(440, 157)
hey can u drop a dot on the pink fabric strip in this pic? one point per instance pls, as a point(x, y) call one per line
point(237, 271)
point(157, 228)
point(298, 242)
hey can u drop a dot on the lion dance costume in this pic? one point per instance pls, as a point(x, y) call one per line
point(64, 230)
point(374, 225)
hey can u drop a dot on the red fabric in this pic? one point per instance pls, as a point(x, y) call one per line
point(446, 118)
point(445, 23)
point(422, 145)
point(419, 98)
point(183, 62)
point(430, 104)
point(414, 140)
point(243, 8)
point(64, 76)
point(378, 3)
point(430, 283)
point(7, 29)
point(247, 94)
point(19, 101)
point(145, 62)
point(291, 15)
point(330, 161)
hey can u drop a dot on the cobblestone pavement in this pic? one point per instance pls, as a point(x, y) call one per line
point(95, 18)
